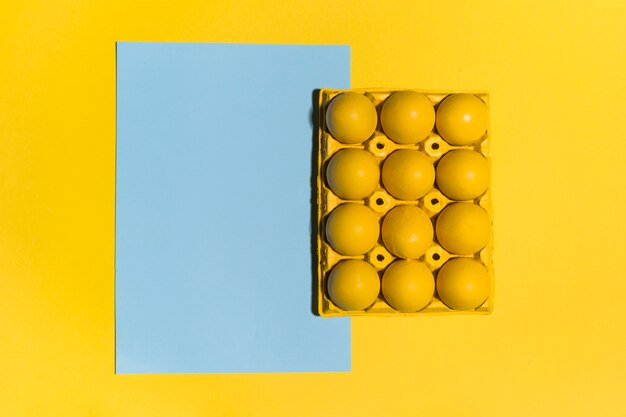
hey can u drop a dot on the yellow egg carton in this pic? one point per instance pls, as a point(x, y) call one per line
point(435, 134)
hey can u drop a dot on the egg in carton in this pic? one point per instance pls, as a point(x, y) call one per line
point(404, 214)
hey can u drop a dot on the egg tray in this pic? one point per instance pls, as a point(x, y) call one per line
point(381, 202)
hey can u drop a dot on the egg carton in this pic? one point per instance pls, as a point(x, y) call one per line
point(381, 202)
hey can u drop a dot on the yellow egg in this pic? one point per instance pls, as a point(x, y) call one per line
point(408, 174)
point(407, 117)
point(462, 119)
point(353, 285)
point(352, 174)
point(463, 228)
point(463, 284)
point(351, 118)
point(462, 174)
point(408, 286)
point(407, 232)
point(352, 229)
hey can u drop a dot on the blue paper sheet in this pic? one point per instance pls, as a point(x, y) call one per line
point(213, 215)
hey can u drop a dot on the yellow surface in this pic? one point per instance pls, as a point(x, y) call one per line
point(554, 345)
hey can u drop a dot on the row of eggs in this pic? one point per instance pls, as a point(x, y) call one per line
point(409, 286)
point(407, 117)
point(408, 174)
point(407, 231)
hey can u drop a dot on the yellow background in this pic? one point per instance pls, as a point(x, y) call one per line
point(555, 342)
